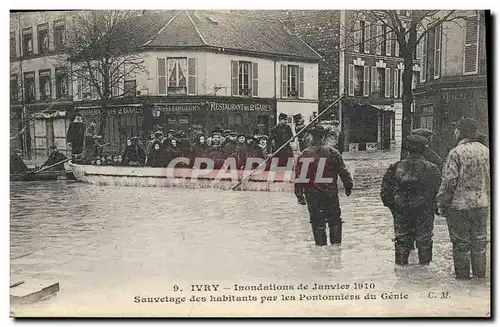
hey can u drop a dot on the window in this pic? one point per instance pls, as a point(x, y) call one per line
point(29, 86)
point(61, 83)
point(14, 91)
point(471, 47)
point(45, 85)
point(387, 86)
point(13, 49)
point(27, 42)
point(374, 79)
point(130, 88)
point(418, 50)
point(59, 34)
point(244, 78)
point(423, 66)
point(162, 82)
point(427, 117)
point(177, 79)
point(396, 82)
point(379, 40)
point(401, 83)
point(414, 81)
point(43, 38)
point(359, 80)
point(357, 36)
point(437, 51)
point(383, 82)
point(292, 81)
point(396, 45)
point(388, 43)
point(366, 37)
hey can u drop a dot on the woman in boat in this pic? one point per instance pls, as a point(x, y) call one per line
point(133, 155)
point(199, 149)
point(183, 144)
point(156, 156)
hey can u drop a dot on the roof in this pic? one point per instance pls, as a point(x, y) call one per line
point(220, 30)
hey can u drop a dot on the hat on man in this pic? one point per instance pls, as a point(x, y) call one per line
point(265, 137)
point(282, 116)
point(171, 130)
point(216, 131)
point(226, 132)
point(425, 132)
point(467, 127)
point(158, 133)
point(416, 143)
point(233, 133)
point(335, 122)
point(317, 131)
point(297, 117)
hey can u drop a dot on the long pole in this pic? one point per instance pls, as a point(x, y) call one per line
point(290, 140)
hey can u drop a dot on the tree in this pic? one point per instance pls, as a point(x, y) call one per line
point(101, 53)
point(408, 29)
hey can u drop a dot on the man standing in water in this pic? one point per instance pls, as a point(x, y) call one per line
point(319, 183)
point(464, 199)
point(409, 189)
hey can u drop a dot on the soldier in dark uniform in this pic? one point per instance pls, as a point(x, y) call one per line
point(322, 197)
point(55, 157)
point(280, 134)
point(429, 154)
point(409, 189)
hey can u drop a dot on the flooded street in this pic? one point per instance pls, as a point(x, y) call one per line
point(105, 245)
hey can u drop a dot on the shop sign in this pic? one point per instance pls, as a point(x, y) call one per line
point(112, 111)
point(224, 106)
point(181, 107)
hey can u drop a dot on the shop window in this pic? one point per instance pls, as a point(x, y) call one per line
point(59, 34)
point(45, 85)
point(14, 90)
point(382, 87)
point(43, 38)
point(177, 82)
point(292, 81)
point(61, 83)
point(234, 119)
point(130, 89)
point(27, 42)
point(29, 86)
point(171, 119)
point(427, 118)
point(183, 119)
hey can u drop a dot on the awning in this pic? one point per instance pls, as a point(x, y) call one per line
point(49, 115)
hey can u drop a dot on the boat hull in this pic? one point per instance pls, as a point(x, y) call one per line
point(43, 176)
point(181, 177)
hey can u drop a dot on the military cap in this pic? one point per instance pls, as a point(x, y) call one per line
point(415, 140)
point(173, 131)
point(282, 116)
point(226, 132)
point(425, 132)
point(297, 117)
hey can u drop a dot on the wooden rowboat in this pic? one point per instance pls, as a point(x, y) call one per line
point(182, 177)
point(43, 176)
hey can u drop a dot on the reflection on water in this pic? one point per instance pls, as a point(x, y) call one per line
point(100, 242)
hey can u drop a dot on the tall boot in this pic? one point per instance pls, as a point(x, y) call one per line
point(401, 254)
point(478, 262)
point(425, 254)
point(336, 233)
point(461, 262)
point(319, 236)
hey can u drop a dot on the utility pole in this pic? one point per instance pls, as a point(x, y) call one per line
point(24, 127)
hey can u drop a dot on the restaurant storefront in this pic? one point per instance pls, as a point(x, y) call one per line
point(240, 115)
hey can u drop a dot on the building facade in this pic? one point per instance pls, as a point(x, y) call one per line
point(453, 78)
point(222, 71)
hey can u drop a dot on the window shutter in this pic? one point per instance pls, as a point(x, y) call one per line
point(284, 81)
point(351, 80)
point(162, 81)
point(423, 66)
point(437, 51)
point(396, 83)
point(367, 37)
point(471, 45)
point(374, 79)
point(396, 46)
point(366, 81)
point(378, 40)
point(255, 79)
point(357, 36)
point(301, 82)
point(234, 78)
point(388, 44)
point(191, 87)
point(387, 82)
point(401, 83)
point(78, 93)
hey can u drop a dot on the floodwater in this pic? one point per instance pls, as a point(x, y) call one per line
point(106, 245)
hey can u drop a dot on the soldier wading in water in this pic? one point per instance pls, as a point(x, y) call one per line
point(409, 189)
point(320, 187)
